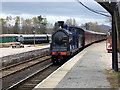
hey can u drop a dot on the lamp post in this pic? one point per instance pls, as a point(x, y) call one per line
point(34, 38)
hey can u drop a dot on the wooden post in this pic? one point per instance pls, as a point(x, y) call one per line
point(114, 42)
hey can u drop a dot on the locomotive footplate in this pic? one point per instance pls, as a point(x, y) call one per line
point(74, 50)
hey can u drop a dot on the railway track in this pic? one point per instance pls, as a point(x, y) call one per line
point(31, 81)
point(22, 66)
point(14, 74)
point(25, 76)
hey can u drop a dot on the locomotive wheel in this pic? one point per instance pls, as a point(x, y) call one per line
point(54, 60)
point(60, 60)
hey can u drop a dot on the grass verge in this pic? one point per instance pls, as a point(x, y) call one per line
point(113, 78)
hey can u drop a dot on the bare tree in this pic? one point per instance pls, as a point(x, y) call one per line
point(23, 26)
point(4, 26)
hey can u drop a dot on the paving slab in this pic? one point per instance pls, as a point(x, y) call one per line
point(85, 70)
point(88, 72)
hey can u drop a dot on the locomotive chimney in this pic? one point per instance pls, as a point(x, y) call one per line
point(61, 23)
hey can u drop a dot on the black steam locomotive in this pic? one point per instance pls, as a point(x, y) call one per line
point(67, 41)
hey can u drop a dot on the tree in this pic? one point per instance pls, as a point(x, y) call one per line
point(94, 27)
point(71, 22)
point(35, 22)
point(29, 27)
point(40, 19)
point(56, 26)
point(23, 30)
point(23, 26)
point(74, 22)
point(87, 26)
point(43, 24)
point(3, 24)
point(16, 28)
point(6, 27)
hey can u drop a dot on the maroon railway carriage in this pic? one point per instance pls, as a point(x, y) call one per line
point(91, 36)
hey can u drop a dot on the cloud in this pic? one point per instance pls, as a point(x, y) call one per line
point(39, 1)
point(52, 19)
point(54, 11)
point(79, 21)
point(46, 0)
point(53, 8)
point(25, 16)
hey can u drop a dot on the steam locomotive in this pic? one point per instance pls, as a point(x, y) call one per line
point(66, 41)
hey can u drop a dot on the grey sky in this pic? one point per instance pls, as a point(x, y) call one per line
point(54, 10)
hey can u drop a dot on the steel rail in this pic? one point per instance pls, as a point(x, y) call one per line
point(26, 67)
point(30, 76)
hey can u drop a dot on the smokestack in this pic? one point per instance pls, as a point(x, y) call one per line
point(61, 23)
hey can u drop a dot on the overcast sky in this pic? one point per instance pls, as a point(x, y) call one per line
point(55, 11)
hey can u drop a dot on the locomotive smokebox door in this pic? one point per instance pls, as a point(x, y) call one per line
point(61, 23)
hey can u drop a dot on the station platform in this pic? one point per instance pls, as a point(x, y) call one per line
point(85, 70)
point(10, 56)
point(11, 51)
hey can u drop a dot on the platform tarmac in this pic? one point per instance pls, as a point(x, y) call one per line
point(85, 70)
point(11, 51)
